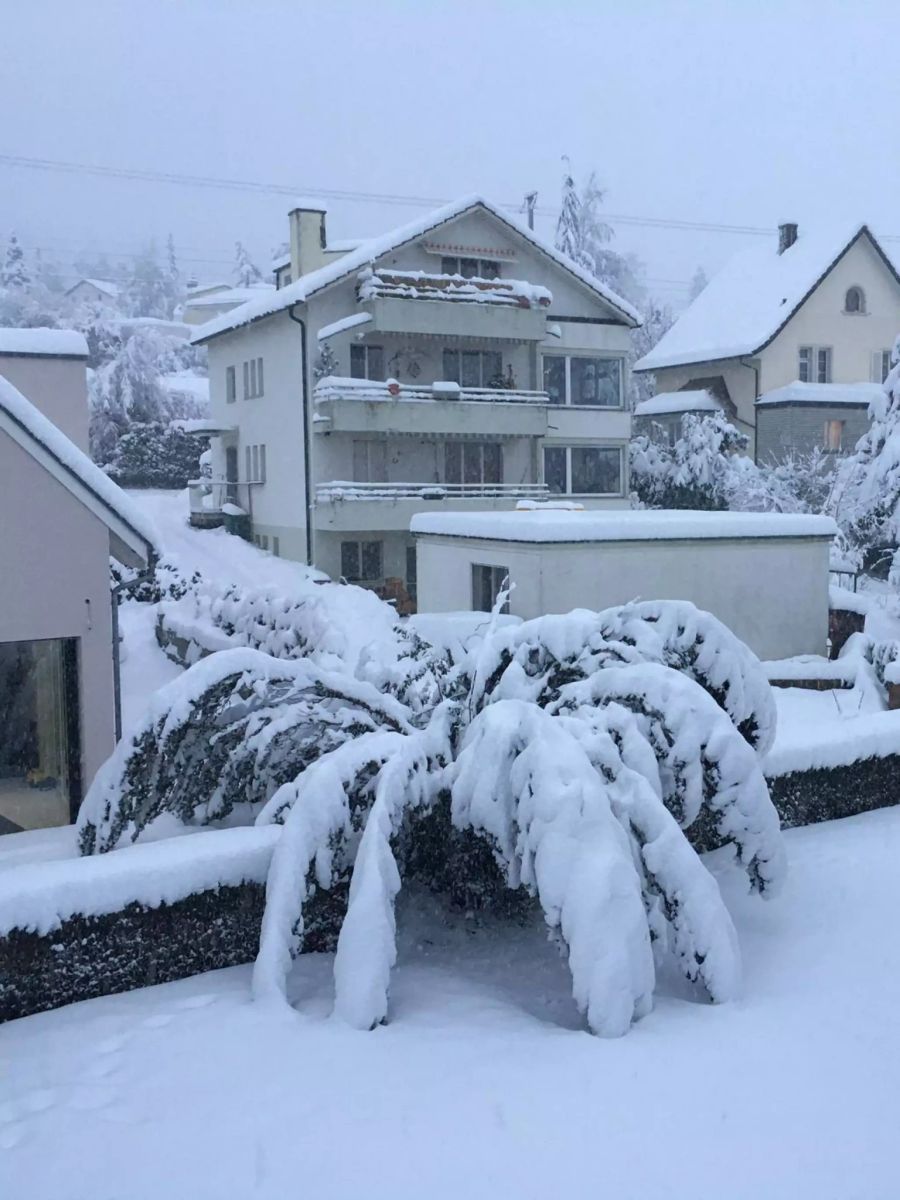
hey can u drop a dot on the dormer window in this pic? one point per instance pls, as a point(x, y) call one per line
point(470, 268)
point(855, 300)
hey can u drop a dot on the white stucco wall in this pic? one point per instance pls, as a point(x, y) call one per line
point(772, 592)
point(821, 321)
point(54, 583)
point(56, 386)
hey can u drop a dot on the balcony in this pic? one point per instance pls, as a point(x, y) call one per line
point(343, 505)
point(364, 406)
point(411, 302)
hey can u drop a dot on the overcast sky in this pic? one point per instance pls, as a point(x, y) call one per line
point(735, 112)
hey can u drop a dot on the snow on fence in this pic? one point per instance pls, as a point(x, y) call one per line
point(81, 927)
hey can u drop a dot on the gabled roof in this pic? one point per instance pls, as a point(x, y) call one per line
point(367, 252)
point(102, 285)
point(49, 446)
point(43, 343)
point(234, 295)
point(745, 306)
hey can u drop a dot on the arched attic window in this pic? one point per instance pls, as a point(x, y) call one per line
point(855, 300)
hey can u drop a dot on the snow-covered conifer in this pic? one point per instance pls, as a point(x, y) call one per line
point(245, 272)
point(14, 273)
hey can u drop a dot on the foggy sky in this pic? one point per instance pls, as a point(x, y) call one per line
point(745, 112)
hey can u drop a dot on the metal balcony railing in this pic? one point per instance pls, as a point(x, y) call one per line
point(334, 387)
point(343, 489)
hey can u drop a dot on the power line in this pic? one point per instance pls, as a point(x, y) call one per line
point(246, 185)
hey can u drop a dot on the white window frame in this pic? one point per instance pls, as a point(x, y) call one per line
point(498, 575)
point(567, 359)
point(813, 354)
point(569, 447)
point(253, 378)
point(881, 365)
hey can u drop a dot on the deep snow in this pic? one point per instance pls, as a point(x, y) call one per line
point(483, 1084)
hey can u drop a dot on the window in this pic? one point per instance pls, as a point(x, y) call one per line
point(583, 470)
point(473, 462)
point(276, 548)
point(255, 463)
point(411, 575)
point(230, 385)
point(361, 562)
point(470, 268)
point(814, 364)
point(262, 464)
point(855, 300)
point(39, 751)
point(248, 463)
point(578, 380)
point(366, 362)
point(474, 368)
point(834, 434)
point(881, 365)
point(253, 378)
point(369, 461)
point(487, 583)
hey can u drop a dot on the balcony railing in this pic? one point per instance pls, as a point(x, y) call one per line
point(334, 387)
point(421, 285)
point(343, 489)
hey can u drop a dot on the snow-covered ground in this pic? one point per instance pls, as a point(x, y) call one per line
point(483, 1084)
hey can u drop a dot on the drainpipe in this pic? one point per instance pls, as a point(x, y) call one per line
point(755, 370)
point(304, 405)
point(114, 593)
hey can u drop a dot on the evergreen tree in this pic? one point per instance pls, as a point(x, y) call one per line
point(583, 235)
point(695, 472)
point(246, 272)
point(174, 289)
point(698, 283)
point(147, 288)
point(658, 319)
point(14, 273)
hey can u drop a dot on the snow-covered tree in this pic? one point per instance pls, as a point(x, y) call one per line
point(245, 272)
point(147, 288)
point(578, 760)
point(658, 320)
point(326, 363)
point(867, 494)
point(698, 283)
point(694, 473)
point(173, 277)
point(14, 273)
point(155, 455)
point(584, 236)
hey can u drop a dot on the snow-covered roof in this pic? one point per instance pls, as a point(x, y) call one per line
point(102, 285)
point(743, 307)
point(860, 394)
point(368, 252)
point(43, 343)
point(186, 383)
point(677, 402)
point(50, 446)
point(235, 296)
point(622, 526)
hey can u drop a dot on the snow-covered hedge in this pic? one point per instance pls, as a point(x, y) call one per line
point(570, 759)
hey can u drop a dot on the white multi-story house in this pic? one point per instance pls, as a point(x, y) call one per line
point(781, 337)
point(456, 363)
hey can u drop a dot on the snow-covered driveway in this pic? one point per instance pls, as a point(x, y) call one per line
point(483, 1085)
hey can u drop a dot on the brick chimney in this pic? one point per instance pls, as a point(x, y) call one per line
point(787, 235)
point(307, 227)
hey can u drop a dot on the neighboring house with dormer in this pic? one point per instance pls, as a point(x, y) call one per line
point(457, 362)
point(817, 308)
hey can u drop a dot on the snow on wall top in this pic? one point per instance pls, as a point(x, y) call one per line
point(24, 413)
point(49, 343)
point(749, 300)
point(823, 393)
point(677, 402)
point(367, 252)
point(620, 526)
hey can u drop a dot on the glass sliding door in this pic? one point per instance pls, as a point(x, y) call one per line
point(36, 735)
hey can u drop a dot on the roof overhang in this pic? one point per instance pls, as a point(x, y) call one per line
point(126, 544)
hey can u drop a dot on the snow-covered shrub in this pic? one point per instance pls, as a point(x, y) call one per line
point(164, 582)
point(226, 735)
point(569, 759)
point(694, 472)
point(155, 455)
